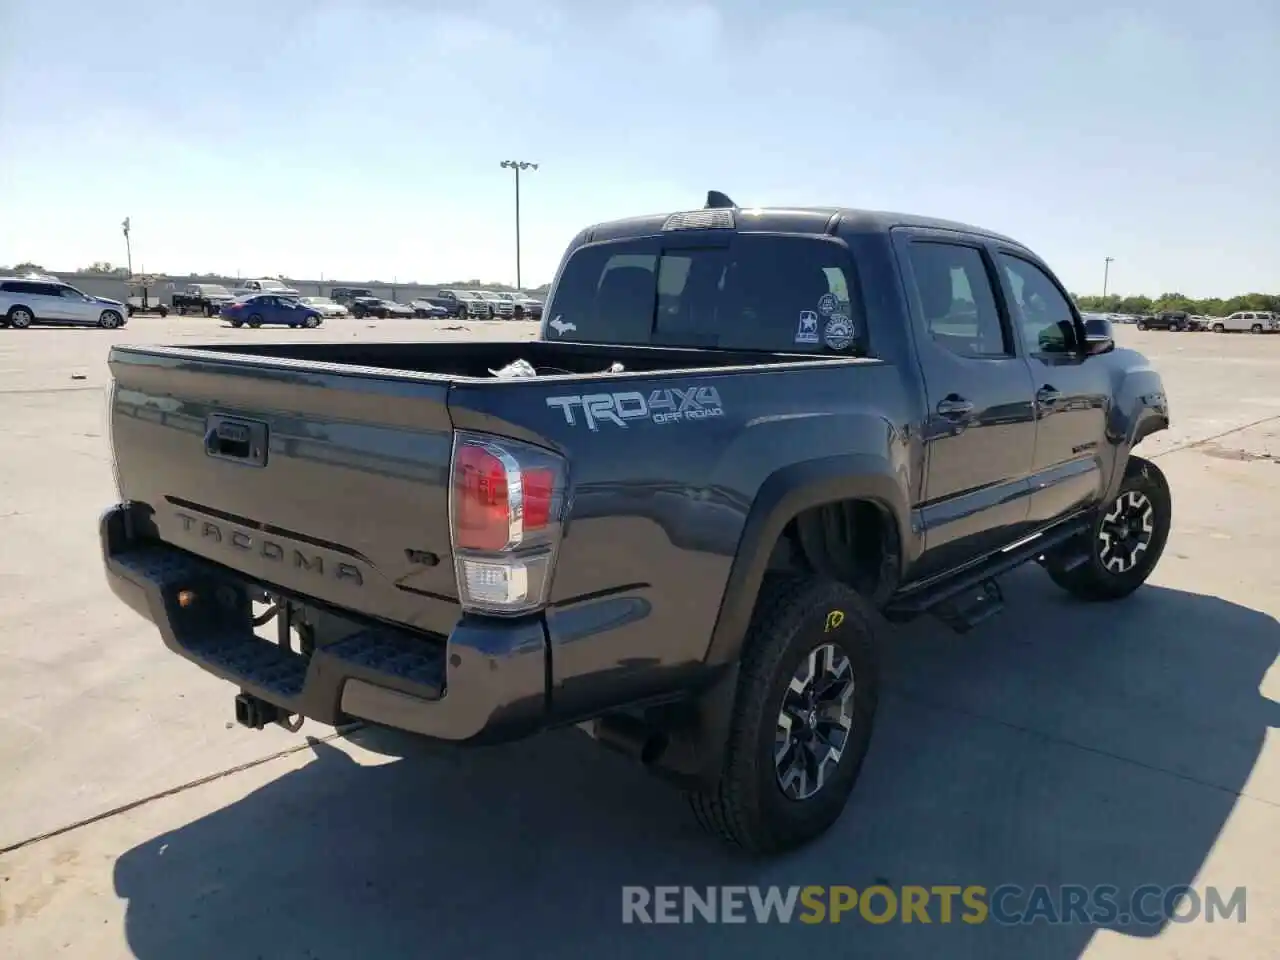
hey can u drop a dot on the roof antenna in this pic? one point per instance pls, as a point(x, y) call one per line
point(717, 199)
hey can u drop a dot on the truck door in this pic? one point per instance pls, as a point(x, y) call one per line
point(979, 432)
point(1072, 391)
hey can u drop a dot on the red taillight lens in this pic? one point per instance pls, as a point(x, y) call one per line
point(482, 510)
point(539, 489)
point(507, 504)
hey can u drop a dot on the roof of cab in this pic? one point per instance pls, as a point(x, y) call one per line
point(791, 220)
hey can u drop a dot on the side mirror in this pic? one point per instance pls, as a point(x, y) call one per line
point(1099, 336)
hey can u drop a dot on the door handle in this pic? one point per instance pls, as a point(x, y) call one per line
point(1047, 395)
point(954, 407)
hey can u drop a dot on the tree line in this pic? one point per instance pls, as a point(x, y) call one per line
point(1206, 307)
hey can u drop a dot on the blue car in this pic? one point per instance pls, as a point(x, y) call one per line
point(268, 308)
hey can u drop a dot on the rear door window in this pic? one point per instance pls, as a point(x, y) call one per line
point(776, 293)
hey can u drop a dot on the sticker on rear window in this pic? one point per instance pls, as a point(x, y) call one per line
point(807, 330)
point(828, 304)
point(838, 333)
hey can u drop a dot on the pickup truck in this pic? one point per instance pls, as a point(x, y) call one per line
point(744, 444)
point(202, 298)
point(461, 304)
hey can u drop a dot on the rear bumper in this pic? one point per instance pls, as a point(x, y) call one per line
point(486, 682)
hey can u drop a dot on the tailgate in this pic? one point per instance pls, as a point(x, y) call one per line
point(327, 481)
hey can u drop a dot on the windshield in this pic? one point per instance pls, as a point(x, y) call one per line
point(777, 293)
point(213, 290)
point(318, 301)
point(272, 285)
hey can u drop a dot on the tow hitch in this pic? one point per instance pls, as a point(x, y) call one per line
point(255, 713)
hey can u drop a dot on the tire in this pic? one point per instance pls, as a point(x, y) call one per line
point(1256, 328)
point(164, 312)
point(1141, 325)
point(1219, 328)
point(753, 804)
point(1145, 498)
point(20, 317)
point(255, 321)
point(208, 311)
point(109, 320)
point(237, 323)
point(518, 313)
point(311, 322)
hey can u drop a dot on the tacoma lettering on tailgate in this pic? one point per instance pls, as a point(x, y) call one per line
point(233, 538)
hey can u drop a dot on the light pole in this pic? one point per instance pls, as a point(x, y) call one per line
point(128, 248)
point(1106, 273)
point(517, 166)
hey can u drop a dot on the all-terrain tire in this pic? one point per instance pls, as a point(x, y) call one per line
point(1143, 484)
point(794, 617)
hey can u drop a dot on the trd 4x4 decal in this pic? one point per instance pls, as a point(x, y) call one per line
point(661, 406)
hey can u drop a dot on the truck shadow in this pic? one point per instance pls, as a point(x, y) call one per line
point(1060, 744)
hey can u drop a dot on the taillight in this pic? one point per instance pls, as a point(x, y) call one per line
point(506, 503)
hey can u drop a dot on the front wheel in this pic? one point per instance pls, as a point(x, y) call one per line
point(1125, 541)
point(311, 322)
point(802, 717)
point(255, 321)
point(1219, 328)
point(208, 311)
point(109, 320)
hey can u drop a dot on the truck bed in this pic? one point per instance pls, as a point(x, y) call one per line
point(340, 493)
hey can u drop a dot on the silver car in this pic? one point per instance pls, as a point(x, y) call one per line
point(28, 300)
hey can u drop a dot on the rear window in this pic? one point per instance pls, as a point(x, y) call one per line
point(771, 293)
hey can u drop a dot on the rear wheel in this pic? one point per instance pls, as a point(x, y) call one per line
point(1256, 328)
point(20, 318)
point(1126, 539)
point(1142, 325)
point(802, 717)
point(208, 311)
point(237, 323)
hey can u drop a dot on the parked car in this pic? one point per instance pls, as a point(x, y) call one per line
point(1252, 321)
point(344, 295)
point(1176, 320)
point(366, 306)
point(325, 306)
point(391, 308)
point(202, 298)
point(25, 302)
point(249, 288)
point(142, 302)
point(462, 304)
point(686, 537)
point(266, 308)
point(523, 306)
point(425, 309)
point(500, 308)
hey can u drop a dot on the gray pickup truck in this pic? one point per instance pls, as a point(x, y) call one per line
point(745, 442)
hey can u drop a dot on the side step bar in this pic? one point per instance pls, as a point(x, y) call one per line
point(968, 598)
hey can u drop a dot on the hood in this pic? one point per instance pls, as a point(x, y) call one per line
point(110, 302)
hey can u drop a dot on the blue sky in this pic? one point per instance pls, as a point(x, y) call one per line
point(361, 138)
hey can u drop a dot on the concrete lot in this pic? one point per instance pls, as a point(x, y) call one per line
point(1059, 743)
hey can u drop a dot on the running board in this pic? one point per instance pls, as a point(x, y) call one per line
point(966, 595)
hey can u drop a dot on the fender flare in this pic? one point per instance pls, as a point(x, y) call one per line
point(1150, 415)
point(784, 495)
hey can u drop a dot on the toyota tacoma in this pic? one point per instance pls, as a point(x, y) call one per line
point(684, 518)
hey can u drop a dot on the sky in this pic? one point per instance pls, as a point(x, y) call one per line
point(361, 139)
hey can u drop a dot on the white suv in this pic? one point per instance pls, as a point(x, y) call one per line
point(1254, 321)
point(26, 300)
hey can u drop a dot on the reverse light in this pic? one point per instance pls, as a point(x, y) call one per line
point(506, 504)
